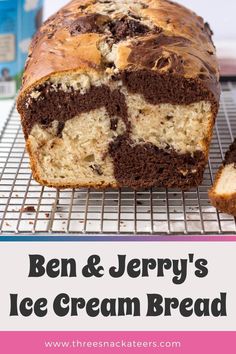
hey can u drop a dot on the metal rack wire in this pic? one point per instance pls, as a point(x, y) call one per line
point(27, 208)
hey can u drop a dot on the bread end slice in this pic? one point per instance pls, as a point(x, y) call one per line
point(223, 193)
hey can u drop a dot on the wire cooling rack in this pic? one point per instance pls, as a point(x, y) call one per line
point(27, 208)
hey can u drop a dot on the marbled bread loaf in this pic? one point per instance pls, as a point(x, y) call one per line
point(120, 93)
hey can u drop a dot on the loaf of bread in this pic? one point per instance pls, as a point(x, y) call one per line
point(120, 93)
point(223, 193)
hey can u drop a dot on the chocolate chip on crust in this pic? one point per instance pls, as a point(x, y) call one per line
point(126, 27)
point(92, 23)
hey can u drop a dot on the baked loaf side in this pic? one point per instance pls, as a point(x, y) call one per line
point(120, 93)
point(223, 192)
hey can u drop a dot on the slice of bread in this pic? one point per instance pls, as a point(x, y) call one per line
point(223, 193)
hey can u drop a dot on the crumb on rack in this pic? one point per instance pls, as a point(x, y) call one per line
point(28, 209)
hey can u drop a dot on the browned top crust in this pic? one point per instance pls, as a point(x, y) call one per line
point(157, 36)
